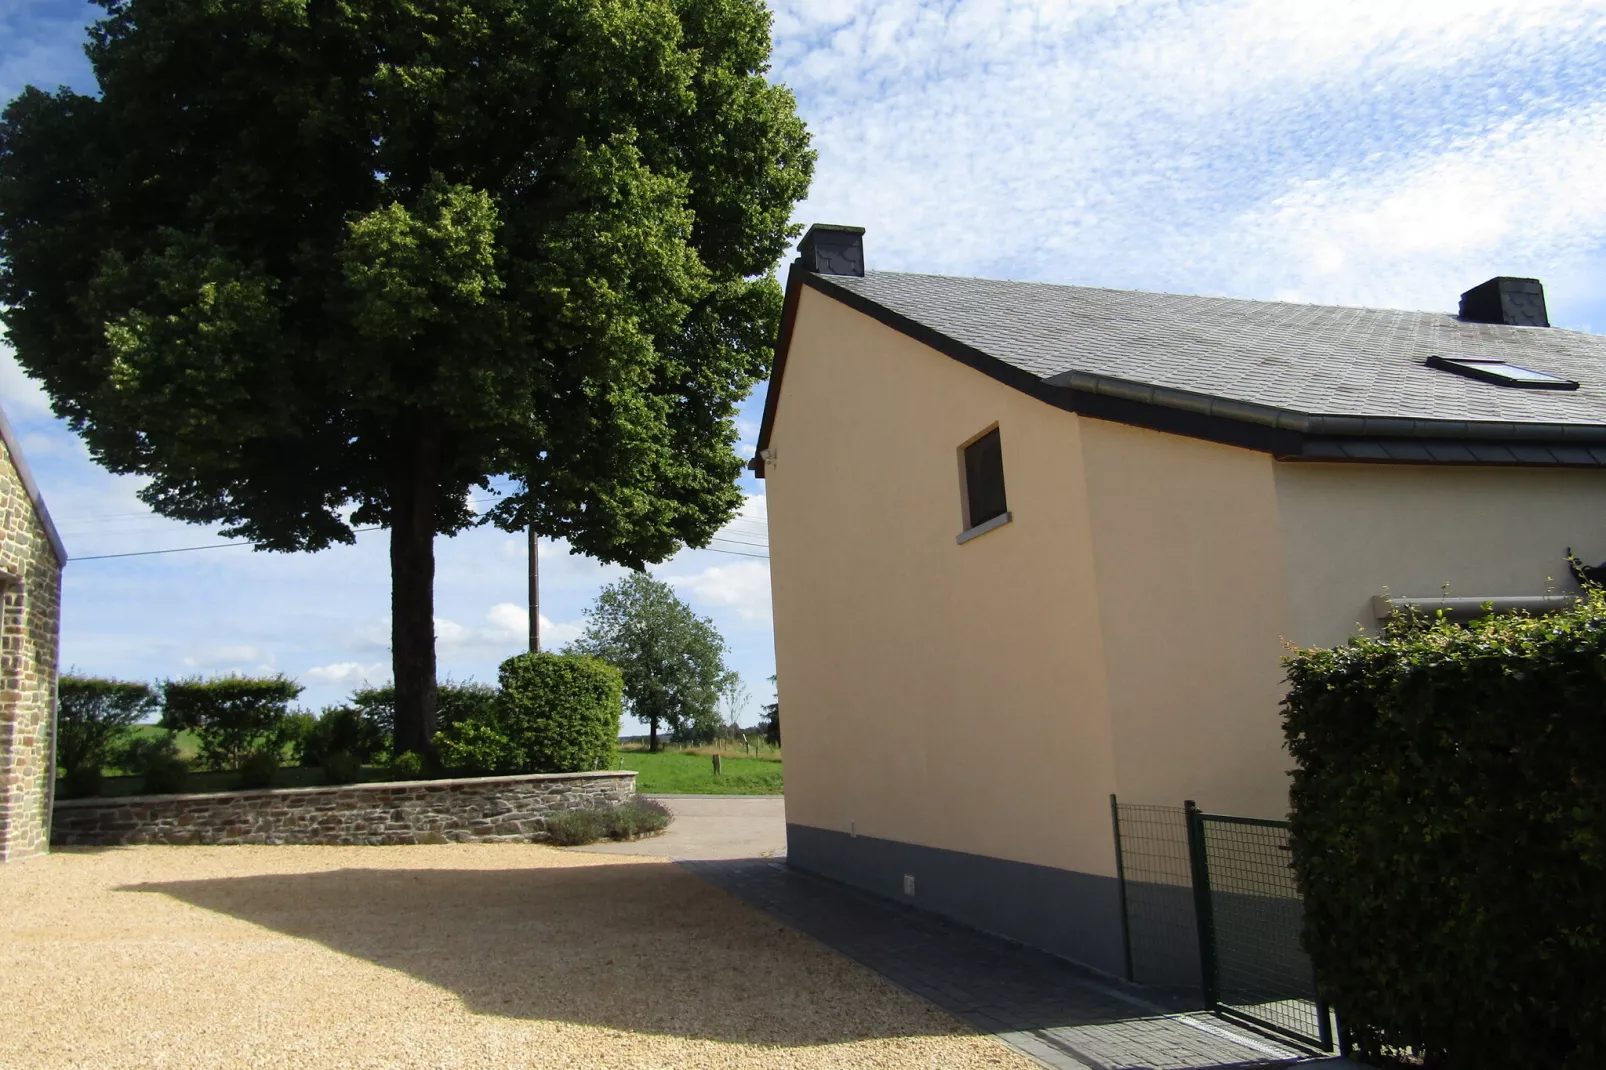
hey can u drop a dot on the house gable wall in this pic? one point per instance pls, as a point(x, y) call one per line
point(1193, 605)
point(934, 694)
point(31, 577)
point(1352, 531)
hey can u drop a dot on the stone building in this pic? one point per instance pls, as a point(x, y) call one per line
point(31, 558)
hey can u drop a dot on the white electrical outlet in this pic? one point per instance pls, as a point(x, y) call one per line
point(908, 884)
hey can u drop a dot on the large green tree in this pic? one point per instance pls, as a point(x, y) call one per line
point(315, 264)
point(672, 660)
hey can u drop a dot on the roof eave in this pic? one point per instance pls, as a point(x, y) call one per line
point(1285, 433)
point(32, 488)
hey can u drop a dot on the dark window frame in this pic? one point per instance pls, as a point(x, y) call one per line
point(981, 469)
point(1483, 369)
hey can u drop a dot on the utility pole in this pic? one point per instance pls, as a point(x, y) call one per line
point(535, 594)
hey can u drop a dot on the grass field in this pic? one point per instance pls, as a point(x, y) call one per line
point(689, 773)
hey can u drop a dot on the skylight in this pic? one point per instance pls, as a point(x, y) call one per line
point(1501, 373)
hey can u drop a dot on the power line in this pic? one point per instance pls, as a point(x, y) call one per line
point(225, 545)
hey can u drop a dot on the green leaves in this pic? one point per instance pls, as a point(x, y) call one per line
point(672, 661)
point(1449, 811)
point(406, 270)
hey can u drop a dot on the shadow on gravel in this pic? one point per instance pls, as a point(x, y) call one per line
point(643, 947)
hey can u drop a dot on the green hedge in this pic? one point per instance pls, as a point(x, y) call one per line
point(1449, 832)
point(232, 716)
point(561, 712)
point(93, 716)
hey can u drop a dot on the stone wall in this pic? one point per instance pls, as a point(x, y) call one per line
point(485, 809)
point(30, 580)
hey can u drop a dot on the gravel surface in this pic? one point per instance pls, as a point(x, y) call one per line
point(470, 955)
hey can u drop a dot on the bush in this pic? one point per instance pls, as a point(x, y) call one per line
point(93, 716)
point(561, 712)
point(155, 760)
point(259, 768)
point(638, 817)
point(1448, 810)
point(343, 730)
point(340, 767)
point(456, 703)
point(476, 748)
point(409, 765)
point(81, 782)
point(232, 716)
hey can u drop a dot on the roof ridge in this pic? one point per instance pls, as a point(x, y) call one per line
point(1449, 316)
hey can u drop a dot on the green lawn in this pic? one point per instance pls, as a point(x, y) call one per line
point(682, 773)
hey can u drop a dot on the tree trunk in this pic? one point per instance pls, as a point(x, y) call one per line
point(414, 497)
point(652, 738)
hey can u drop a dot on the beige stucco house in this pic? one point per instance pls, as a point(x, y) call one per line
point(31, 559)
point(1032, 545)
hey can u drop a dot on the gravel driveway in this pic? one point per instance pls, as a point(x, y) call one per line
point(472, 955)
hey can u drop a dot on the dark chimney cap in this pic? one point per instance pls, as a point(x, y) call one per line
point(1518, 302)
point(830, 249)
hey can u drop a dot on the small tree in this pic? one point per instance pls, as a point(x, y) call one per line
point(93, 715)
point(672, 660)
point(771, 720)
point(733, 695)
point(232, 716)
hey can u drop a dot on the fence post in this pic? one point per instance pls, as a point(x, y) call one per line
point(1200, 864)
point(1120, 880)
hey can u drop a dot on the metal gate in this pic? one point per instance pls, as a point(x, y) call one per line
point(1250, 915)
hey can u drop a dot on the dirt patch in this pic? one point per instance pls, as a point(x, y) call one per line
point(469, 955)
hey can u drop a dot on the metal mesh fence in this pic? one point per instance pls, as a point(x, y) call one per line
point(1162, 933)
point(1254, 916)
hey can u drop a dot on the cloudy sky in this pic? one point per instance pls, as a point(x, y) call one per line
point(1355, 152)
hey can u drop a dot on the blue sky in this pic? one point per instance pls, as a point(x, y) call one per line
point(1384, 154)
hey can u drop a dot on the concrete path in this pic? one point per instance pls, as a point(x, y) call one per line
point(713, 826)
point(1059, 1014)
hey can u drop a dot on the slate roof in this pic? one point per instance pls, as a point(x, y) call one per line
point(1311, 359)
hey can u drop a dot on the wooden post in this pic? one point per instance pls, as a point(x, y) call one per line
point(717, 770)
point(535, 595)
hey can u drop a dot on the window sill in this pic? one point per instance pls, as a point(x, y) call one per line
point(983, 528)
point(1473, 607)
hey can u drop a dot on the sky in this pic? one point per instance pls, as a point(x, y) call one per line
point(1356, 152)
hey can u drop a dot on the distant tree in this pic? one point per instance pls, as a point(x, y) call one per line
point(733, 695)
point(93, 715)
point(770, 721)
point(313, 266)
point(672, 660)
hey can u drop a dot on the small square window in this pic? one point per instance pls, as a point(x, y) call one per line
point(984, 480)
point(1501, 373)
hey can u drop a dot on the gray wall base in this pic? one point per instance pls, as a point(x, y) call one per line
point(1074, 915)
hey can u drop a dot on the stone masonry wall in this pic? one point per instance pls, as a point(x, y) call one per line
point(30, 577)
point(505, 808)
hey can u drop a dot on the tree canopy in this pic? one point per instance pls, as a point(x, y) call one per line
point(310, 265)
point(672, 660)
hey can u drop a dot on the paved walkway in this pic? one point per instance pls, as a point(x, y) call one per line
point(1063, 1016)
point(713, 826)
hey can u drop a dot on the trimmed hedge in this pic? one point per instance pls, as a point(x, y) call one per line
point(232, 716)
point(1449, 833)
point(93, 716)
point(560, 712)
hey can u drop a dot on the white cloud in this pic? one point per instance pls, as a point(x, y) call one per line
point(506, 628)
point(19, 394)
point(743, 586)
point(348, 674)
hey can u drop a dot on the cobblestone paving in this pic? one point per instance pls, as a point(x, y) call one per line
point(1063, 1016)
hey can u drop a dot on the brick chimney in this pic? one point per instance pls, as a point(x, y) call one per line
point(1517, 302)
point(829, 249)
